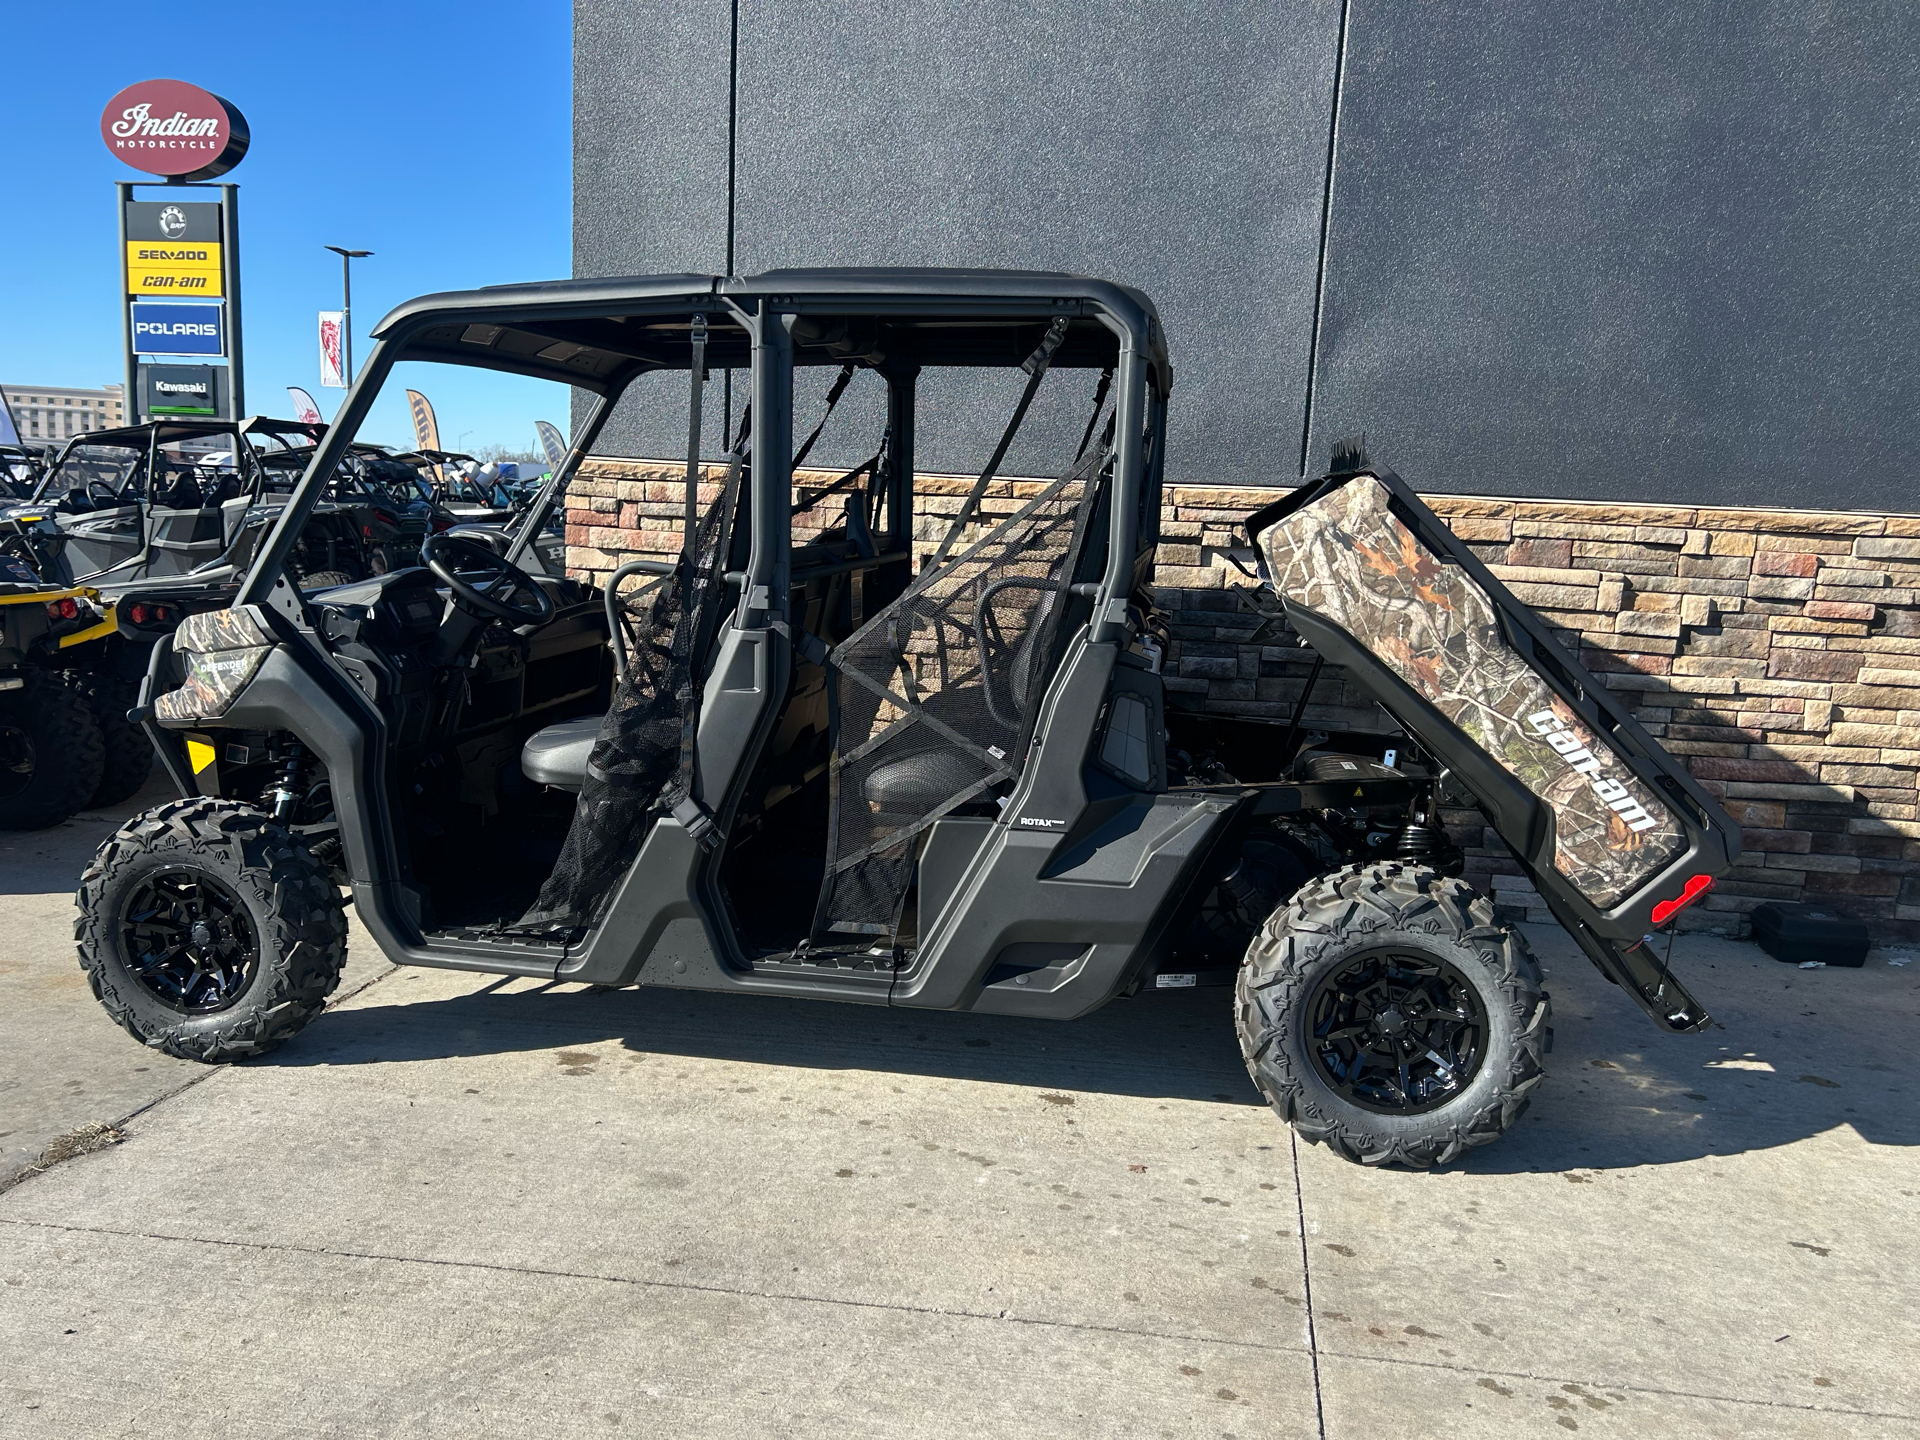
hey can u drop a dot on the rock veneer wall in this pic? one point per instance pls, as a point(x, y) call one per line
point(1777, 652)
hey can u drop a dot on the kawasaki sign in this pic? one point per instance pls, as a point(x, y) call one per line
point(183, 389)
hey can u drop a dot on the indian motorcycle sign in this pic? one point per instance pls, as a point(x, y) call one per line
point(168, 127)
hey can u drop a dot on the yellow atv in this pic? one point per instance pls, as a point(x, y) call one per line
point(65, 742)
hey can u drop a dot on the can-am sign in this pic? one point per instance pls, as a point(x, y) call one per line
point(168, 127)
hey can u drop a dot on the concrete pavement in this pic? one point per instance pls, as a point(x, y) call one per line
point(65, 1066)
point(458, 1206)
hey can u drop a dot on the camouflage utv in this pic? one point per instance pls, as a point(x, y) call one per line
point(887, 737)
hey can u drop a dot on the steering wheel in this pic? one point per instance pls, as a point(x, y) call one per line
point(482, 579)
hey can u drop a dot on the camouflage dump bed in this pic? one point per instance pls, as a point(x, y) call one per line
point(1611, 829)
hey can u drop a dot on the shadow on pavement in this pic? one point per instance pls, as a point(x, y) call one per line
point(1165, 1046)
point(45, 862)
point(1792, 1053)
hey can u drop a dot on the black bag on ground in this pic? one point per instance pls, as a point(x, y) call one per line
point(1796, 935)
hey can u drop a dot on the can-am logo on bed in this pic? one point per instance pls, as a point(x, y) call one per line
point(1612, 793)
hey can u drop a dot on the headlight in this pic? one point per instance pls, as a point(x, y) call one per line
point(223, 650)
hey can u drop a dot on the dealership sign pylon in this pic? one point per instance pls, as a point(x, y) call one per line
point(179, 258)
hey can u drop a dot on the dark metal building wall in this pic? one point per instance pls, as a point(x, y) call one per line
point(1633, 250)
point(1628, 250)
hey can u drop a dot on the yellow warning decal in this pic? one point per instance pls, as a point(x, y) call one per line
point(200, 754)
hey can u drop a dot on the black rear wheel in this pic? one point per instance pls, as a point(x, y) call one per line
point(1384, 1014)
point(51, 754)
point(208, 931)
point(127, 760)
point(1397, 1031)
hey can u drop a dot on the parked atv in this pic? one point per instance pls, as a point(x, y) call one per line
point(21, 467)
point(173, 498)
point(458, 485)
point(454, 493)
point(356, 530)
point(61, 749)
point(847, 749)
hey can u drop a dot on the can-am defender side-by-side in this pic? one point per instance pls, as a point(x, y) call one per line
point(854, 746)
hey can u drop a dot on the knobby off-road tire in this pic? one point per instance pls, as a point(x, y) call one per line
point(51, 753)
point(1422, 932)
point(128, 752)
point(263, 886)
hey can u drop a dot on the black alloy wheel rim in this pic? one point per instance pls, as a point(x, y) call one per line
point(17, 761)
point(189, 941)
point(1397, 1032)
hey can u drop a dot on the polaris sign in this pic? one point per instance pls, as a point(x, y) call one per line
point(178, 330)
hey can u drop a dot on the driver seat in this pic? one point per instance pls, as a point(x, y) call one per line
point(557, 755)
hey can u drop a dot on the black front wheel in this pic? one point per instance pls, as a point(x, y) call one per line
point(1384, 1014)
point(209, 931)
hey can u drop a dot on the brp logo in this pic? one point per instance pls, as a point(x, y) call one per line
point(173, 222)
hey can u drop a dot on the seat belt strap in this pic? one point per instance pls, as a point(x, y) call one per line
point(811, 647)
point(697, 822)
point(810, 498)
point(833, 398)
point(697, 368)
point(1099, 402)
point(1036, 367)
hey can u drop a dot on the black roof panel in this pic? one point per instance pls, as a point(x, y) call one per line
point(597, 333)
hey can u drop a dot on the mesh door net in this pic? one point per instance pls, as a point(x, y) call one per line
point(936, 695)
point(642, 759)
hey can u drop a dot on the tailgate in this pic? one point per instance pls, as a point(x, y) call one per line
point(1611, 829)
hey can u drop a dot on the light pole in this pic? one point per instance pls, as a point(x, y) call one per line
point(347, 257)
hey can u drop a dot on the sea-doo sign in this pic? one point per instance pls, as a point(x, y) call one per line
point(174, 249)
point(168, 127)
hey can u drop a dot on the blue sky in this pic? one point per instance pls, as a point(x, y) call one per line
point(436, 135)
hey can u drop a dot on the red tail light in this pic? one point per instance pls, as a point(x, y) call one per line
point(67, 609)
point(1695, 888)
point(138, 614)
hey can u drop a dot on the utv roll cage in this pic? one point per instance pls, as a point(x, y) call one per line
point(598, 336)
point(163, 513)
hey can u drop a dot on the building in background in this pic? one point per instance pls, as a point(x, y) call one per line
point(1628, 289)
point(1636, 251)
point(57, 412)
